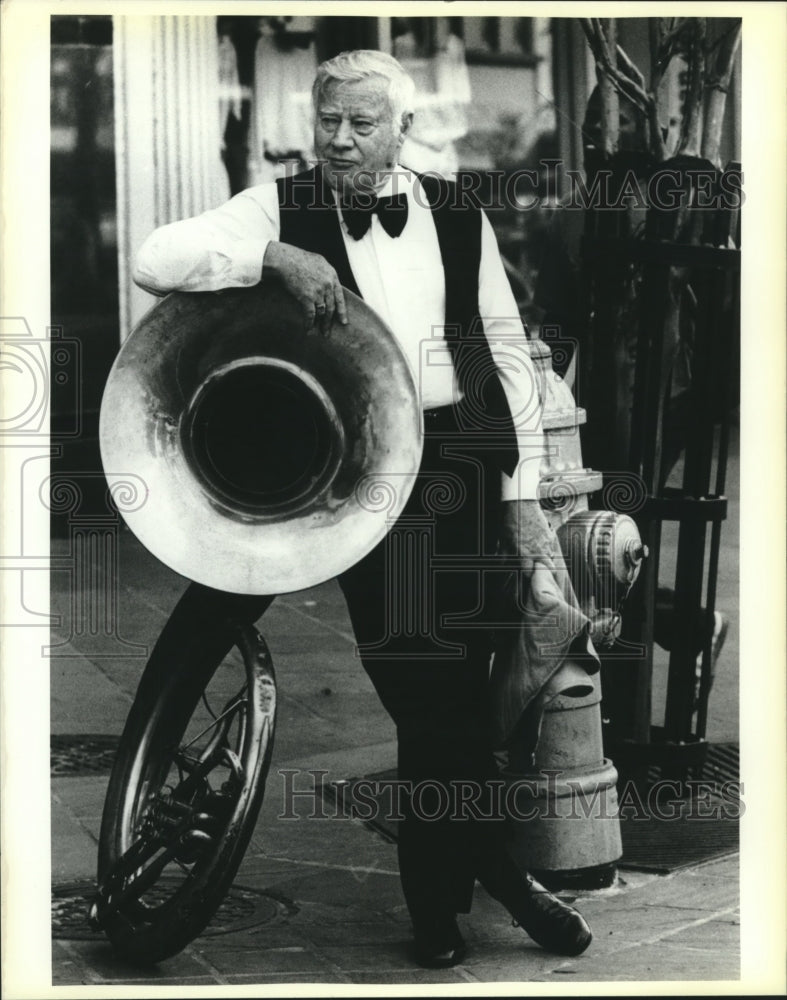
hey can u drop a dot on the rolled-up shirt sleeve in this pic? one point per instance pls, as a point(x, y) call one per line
point(511, 354)
point(222, 248)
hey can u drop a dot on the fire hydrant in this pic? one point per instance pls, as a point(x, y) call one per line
point(562, 797)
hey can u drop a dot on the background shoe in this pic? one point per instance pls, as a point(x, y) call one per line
point(550, 922)
point(438, 943)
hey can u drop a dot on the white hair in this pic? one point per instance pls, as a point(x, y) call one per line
point(360, 64)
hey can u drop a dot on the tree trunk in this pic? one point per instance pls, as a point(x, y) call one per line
point(691, 138)
point(716, 87)
point(610, 106)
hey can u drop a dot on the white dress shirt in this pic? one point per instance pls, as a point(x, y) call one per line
point(400, 278)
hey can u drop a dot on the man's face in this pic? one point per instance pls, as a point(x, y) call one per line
point(355, 133)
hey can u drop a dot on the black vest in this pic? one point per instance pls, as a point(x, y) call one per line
point(309, 220)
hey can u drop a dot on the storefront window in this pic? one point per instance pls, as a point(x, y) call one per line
point(267, 67)
point(503, 41)
point(485, 106)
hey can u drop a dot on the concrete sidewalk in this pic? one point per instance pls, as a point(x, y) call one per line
point(319, 900)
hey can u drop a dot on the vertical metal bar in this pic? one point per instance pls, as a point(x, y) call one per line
point(691, 540)
point(724, 283)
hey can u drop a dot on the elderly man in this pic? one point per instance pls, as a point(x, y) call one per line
point(429, 266)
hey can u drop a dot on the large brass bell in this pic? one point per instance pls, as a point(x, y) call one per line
point(273, 457)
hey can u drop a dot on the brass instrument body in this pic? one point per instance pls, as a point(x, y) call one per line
point(274, 457)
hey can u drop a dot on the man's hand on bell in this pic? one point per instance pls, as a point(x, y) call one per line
point(311, 279)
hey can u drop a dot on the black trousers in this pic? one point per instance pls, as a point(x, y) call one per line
point(417, 605)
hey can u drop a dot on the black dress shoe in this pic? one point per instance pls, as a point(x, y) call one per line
point(550, 922)
point(438, 943)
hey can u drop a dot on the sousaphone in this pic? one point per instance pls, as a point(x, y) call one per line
point(273, 457)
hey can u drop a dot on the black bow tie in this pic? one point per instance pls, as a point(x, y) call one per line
point(392, 212)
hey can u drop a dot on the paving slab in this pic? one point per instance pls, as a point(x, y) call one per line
point(722, 933)
point(82, 796)
point(229, 959)
point(682, 890)
point(361, 858)
point(171, 981)
point(369, 932)
point(343, 888)
point(662, 961)
point(390, 956)
point(97, 962)
point(618, 926)
point(83, 698)
point(72, 856)
point(409, 977)
point(253, 979)
point(292, 623)
point(509, 959)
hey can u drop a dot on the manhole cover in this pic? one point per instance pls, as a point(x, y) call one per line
point(78, 754)
point(242, 908)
